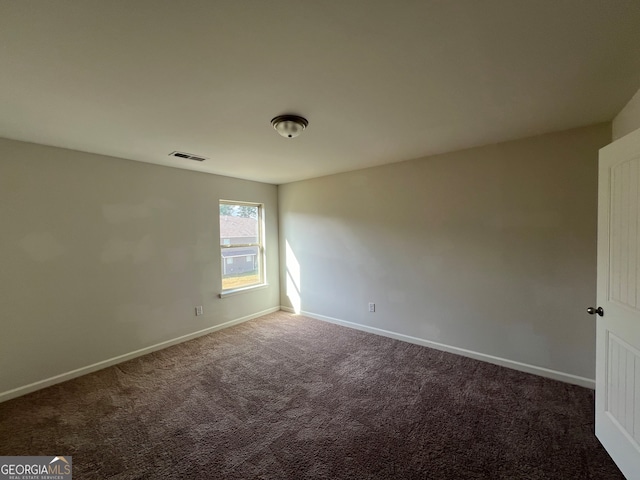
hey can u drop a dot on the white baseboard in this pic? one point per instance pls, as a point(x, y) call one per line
point(63, 377)
point(523, 367)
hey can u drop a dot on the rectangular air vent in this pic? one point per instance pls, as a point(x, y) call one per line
point(188, 156)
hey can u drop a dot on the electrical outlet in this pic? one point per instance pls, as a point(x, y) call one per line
point(199, 311)
point(372, 307)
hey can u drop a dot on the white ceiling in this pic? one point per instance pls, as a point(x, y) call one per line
point(379, 80)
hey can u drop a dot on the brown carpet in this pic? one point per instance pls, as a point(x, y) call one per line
point(287, 397)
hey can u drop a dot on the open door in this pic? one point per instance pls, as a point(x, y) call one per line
point(618, 312)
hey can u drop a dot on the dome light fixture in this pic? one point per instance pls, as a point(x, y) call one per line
point(289, 126)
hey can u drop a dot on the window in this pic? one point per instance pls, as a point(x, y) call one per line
point(241, 245)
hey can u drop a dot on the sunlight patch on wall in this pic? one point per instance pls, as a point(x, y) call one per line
point(293, 279)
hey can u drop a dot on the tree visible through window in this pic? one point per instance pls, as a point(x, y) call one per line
point(241, 245)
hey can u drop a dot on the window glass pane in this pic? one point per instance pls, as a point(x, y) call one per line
point(238, 224)
point(241, 245)
point(238, 271)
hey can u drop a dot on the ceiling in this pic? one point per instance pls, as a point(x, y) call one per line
point(380, 81)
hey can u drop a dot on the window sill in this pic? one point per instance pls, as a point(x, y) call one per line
point(236, 291)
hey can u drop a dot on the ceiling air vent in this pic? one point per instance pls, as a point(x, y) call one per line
point(188, 156)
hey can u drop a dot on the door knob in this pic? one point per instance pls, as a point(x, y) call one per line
point(593, 311)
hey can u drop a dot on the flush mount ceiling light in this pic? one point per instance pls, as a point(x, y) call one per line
point(289, 126)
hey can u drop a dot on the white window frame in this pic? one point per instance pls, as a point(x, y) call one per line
point(261, 257)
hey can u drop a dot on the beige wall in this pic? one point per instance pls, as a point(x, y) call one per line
point(491, 249)
point(102, 256)
point(628, 119)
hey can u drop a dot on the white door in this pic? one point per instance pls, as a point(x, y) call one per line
point(618, 329)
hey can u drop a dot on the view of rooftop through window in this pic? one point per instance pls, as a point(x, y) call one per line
point(241, 245)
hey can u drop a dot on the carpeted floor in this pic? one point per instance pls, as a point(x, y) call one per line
point(287, 397)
